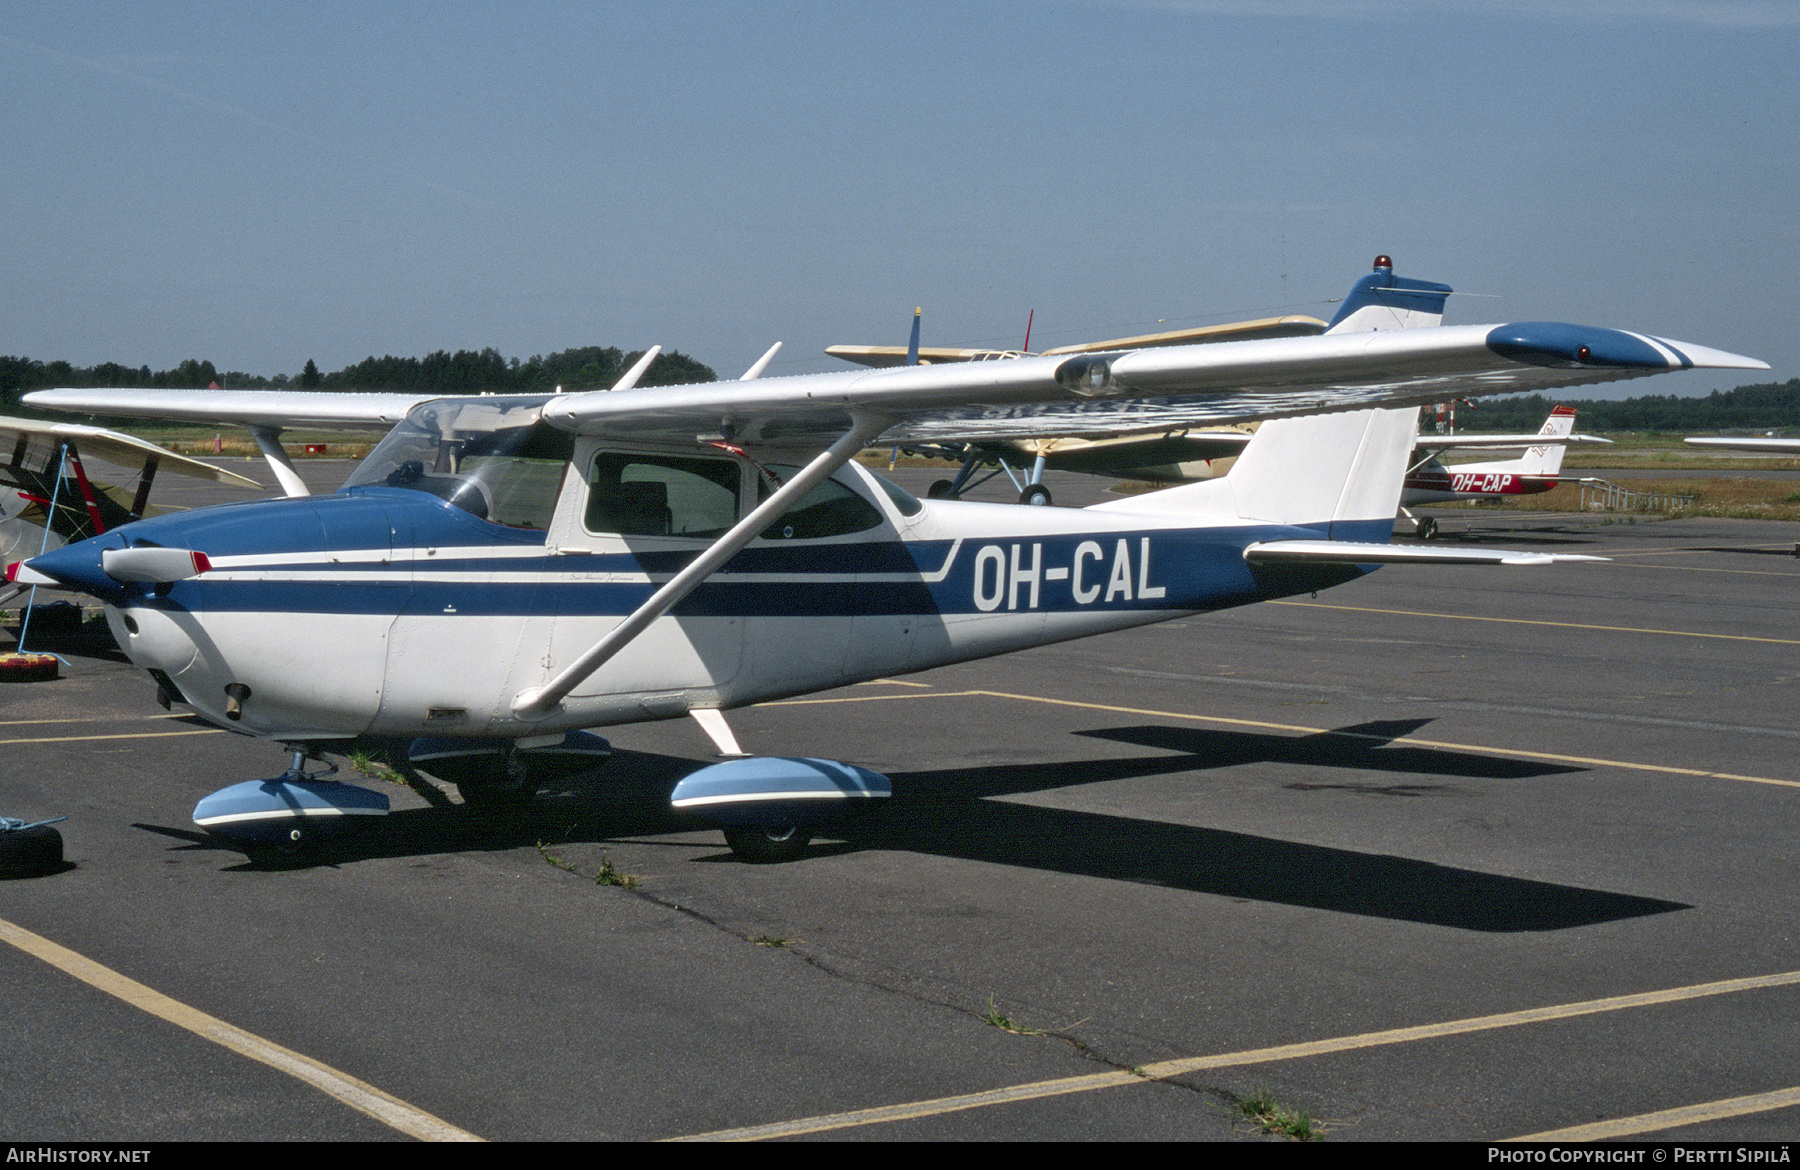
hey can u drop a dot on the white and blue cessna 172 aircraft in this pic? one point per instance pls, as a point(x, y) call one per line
point(502, 572)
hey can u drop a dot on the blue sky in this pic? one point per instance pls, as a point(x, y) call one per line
point(259, 184)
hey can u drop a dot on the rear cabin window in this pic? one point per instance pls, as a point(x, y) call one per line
point(831, 509)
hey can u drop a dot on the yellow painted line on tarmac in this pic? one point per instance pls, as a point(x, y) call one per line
point(1262, 725)
point(1163, 1070)
point(120, 735)
point(93, 719)
point(1620, 1127)
point(366, 1098)
point(1469, 617)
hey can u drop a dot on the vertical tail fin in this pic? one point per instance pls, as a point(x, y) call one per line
point(1548, 460)
point(1382, 300)
point(1341, 472)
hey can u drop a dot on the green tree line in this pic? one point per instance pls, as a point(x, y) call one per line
point(1764, 406)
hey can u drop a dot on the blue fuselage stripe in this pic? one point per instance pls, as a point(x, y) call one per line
point(1156, 569)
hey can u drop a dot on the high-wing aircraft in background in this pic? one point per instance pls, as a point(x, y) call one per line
point(47, 499)
point(503, 572)
point(1379, 301)
point(885, 356)
point(1429, 481)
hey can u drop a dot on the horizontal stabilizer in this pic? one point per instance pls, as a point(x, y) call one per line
point(1342, 552)
point(1429, 442)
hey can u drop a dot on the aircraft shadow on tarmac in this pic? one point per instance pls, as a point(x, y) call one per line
point(1740, 550)
point(951, 812)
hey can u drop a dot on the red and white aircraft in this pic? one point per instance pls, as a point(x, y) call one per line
point(1429, 481)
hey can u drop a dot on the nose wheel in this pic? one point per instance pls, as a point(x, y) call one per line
point(281, 823)
point(297, 848)
point(762, 844)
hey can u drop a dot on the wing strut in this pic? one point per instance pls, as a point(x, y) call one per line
point(268, 440)
point(762, 363)
point(537, 702)
point(632, 375)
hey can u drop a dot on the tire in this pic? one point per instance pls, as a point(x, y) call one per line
point(508, 789)
point(299, 849)
point(1035, 496)
point(939, 489)
point(1426, 528)
point(763, 844)
point(38, 849)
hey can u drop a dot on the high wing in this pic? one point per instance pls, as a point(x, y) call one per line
point(1142, 390)
point(244, 408)
point(1091, 395)
point(266, 413)
point(1385, 347)
point(884, 356)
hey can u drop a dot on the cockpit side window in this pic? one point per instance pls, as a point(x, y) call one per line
point(637, 494)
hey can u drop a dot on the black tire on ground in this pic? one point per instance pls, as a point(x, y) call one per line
point(1425, 528)
point(38, 849)
point(508, 789)
point(762, 844)
point(939, 489)
point(1036, 495)
point(298, 849)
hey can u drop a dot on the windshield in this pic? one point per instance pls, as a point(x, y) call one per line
point(491, 457)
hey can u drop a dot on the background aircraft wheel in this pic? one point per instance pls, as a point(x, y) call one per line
point(761, 844)
point(1426, 528)
point(939, 489)
point(300, 847)
point(38, 849)
point(507, 788)
point(1036, 495)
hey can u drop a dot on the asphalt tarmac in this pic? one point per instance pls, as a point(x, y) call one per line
point(1455, 853)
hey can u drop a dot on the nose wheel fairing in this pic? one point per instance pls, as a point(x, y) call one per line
point(281, 823)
